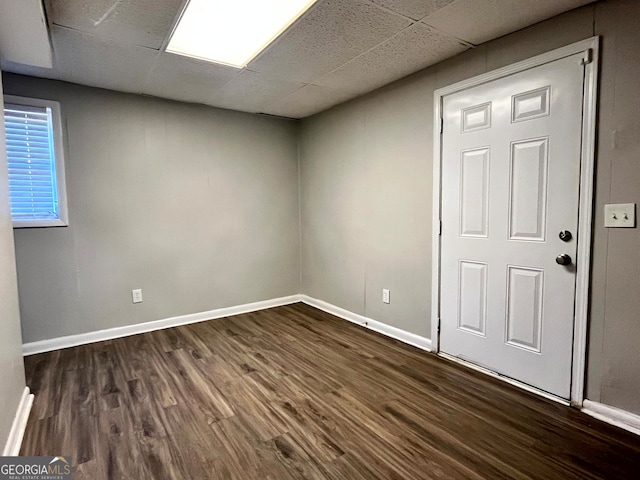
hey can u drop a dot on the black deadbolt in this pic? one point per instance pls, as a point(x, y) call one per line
point(565, 236)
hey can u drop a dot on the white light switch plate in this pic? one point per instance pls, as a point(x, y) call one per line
point(620, 215)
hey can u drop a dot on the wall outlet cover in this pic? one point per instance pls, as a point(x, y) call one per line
point(137, 295)
point(386, 296)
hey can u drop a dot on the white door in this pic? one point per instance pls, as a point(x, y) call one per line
point(510, 184)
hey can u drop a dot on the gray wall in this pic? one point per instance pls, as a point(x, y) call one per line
point(12, 382)
point(366, 174)
point(614, 353)
point(197, 206)
point(365, 201)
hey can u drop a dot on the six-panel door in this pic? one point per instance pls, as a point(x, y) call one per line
point(510, 178)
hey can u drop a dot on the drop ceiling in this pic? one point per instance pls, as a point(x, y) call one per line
point(338, 50)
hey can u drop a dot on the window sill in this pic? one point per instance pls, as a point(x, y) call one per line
point(39, 223)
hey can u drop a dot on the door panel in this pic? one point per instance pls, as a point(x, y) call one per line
point(528, 190)
point(510, 178)
point(524, 307)
point(474, 191)
point(472, 297)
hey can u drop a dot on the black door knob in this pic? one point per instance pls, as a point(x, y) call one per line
point(563, 259)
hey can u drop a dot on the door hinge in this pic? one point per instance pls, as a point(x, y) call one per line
point(587, 58)
point(439, 323)
point(441, 125)
point(440, 228)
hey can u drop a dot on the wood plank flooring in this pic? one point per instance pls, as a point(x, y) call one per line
point(294, 393)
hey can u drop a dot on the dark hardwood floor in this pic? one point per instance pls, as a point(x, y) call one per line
point(293, 393)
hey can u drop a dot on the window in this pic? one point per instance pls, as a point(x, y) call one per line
point(36, 164)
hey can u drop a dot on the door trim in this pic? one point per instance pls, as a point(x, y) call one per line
point(590, 47)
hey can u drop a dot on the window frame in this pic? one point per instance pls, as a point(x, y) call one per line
point(58, 147)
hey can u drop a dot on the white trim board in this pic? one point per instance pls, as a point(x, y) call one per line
point(612, 415)
point(19, 425)
point(127, 330)
point(98, 336)
point(409, 338)
point(583, 261)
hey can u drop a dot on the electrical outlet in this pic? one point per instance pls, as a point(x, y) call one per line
point(137, 295)
point(386, 296)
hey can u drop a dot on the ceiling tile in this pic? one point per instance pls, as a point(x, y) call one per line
point(307, 101)
point(252, 91)
point(187, 79)
point(98, 62)
point(329, 35)
point(139, 22)
point(416, 9)
point(478, 22)
point(411, 50)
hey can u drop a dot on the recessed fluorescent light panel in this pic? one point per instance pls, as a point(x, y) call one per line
point(232, 32)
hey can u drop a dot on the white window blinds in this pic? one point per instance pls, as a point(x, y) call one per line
point(32, 163)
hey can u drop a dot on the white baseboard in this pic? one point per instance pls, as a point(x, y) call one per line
point(125, 331)
point(393, 332)
point(614, 416)
point(14, 442)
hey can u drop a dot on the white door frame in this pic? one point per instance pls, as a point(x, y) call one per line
point(585, 216)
